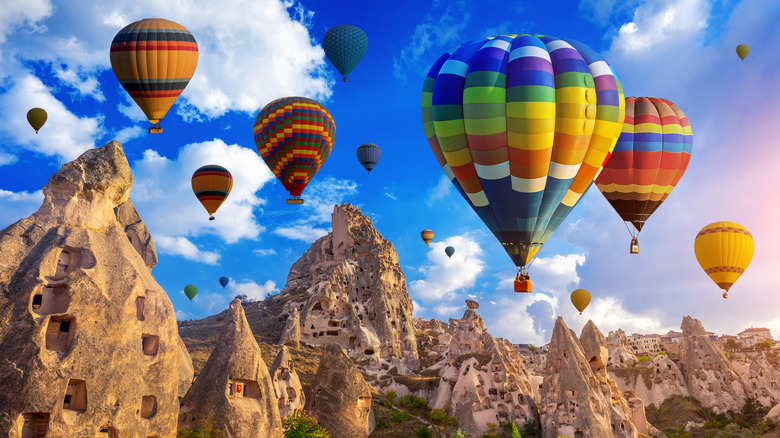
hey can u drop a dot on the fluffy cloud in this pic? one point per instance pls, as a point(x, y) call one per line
point(252, 290)
point(440, 190)
point(305, 233)
point(163, 193)
point(264, 252)
point(444, 276)
point(181, 246)
point(16, 205)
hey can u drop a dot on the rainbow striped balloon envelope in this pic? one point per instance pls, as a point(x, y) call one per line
point(521, 125)
point(650, 157)
point(154, 59)
point(294, 135)
point(212, 185)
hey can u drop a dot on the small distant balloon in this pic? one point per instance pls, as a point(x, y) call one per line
point(36, 117)
point(742, 51)
point(190, 290)
point(580, 298)
point(450, 251)
point(224, 281)
point(369, 154)
point(427, 236)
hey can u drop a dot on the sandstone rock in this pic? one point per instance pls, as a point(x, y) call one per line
point(472, 304)
point(762, 382)
point(287, 384)
point(89, 338)
point(291, 335)
point(708, 373)
point(578, 398)
point(652, 381)
point(774, 414)
point(234, 387)
point(620, 354)
point(350, 290)
point(137, 232)
point(341, 398)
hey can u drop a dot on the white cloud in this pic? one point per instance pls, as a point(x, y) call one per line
point(417, 309)
point(128, 133)
point(254, 291)
point(305, 232)
point(181, 315)
point(608, 314)
point(440, 190)
point(64, 134)
point(163, 192)
point(264, 252)
point(662, 24)
point(445, 276)
point(210, 302)
point(21, 18)
point(18, 205)
point(391, 196)
point(6, 159)
point(183, 247)
point(446, 309)
point(557, 274)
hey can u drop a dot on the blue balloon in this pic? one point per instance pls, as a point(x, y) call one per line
point(345, 46)
point(369, 154)
point(450, 251)
point(224, 281)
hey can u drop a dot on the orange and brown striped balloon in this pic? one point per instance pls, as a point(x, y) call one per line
point(724, 250)
point(427, 236)
point(212, 185)
point(154, 59)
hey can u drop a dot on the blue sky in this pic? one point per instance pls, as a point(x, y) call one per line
point(56, 55)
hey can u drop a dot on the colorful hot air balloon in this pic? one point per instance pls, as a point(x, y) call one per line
point(427, 236)
point(294, 135)
point(212, 185)
point(345, 46)
point(154, 59)
point(224, 281)
point(649, 159)
point(190, 291)
point(369, 154)
point(742, 51)
point(724, 251)
point(580, 298)
point(522, 125)
point(449, 251)
point(36, 117)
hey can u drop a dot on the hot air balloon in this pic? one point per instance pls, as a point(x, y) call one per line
point(649, 159)
point(369, 154)
point(449, 251)
point(522, 125)
point(580, 298)
point(345, 46)
point(212, 185)
point(154, 59)
point(190, 290)
point(724, 251)
point(294, 135)
point(224, 281)
point(427, 236)
point(36, 117)
point(742, 51)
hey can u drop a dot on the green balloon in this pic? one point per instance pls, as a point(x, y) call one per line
point(450, 251)
point(190, 290)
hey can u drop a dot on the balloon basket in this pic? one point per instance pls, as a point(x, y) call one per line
point(634, 246)
point(211, 218)
point(295, 201)
point(524, 286)
point(155, 129)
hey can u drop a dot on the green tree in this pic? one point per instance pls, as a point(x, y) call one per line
point(204, 428)
point(391, 398)
point(400, 416)
point(303, 425)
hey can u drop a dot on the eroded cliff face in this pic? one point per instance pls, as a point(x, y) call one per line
point(235, 388)
point(287, 384)
point(350, 290)
point(482, 378)
point(89, 338)
point(620, 354)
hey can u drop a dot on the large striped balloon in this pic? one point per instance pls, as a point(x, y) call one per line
point(724, 250)
point(294, 135)
point(649, 159)
point(212, 185)
point(154, 60)
point(522, 125)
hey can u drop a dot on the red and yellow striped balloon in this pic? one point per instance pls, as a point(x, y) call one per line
point(724, 250)
point(212, 185)
point(427, 236)
point(294, 135)
point(154, 59)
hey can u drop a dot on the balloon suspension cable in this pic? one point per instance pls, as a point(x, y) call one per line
point(630, 232)
point(211, 218)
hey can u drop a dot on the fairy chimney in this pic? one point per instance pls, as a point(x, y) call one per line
point(287, 384)
point(291, 335)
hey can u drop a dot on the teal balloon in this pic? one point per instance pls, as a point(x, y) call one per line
point(345, 46)
point(450, 251)
point(190, 290)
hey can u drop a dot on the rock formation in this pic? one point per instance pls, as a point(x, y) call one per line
point(762, 382)
point(234, 388)
point(351, 291)
point(341, 398)
point(578, 398)
point(652, 381)
point(287, 385)
point(291, 335)
point(708, 373)
point(89, 338)
point(482, 378)
point(620, 354)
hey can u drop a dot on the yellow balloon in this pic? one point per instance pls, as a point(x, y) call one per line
point(742, 51)
point(724, 251)
point(580, 298)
